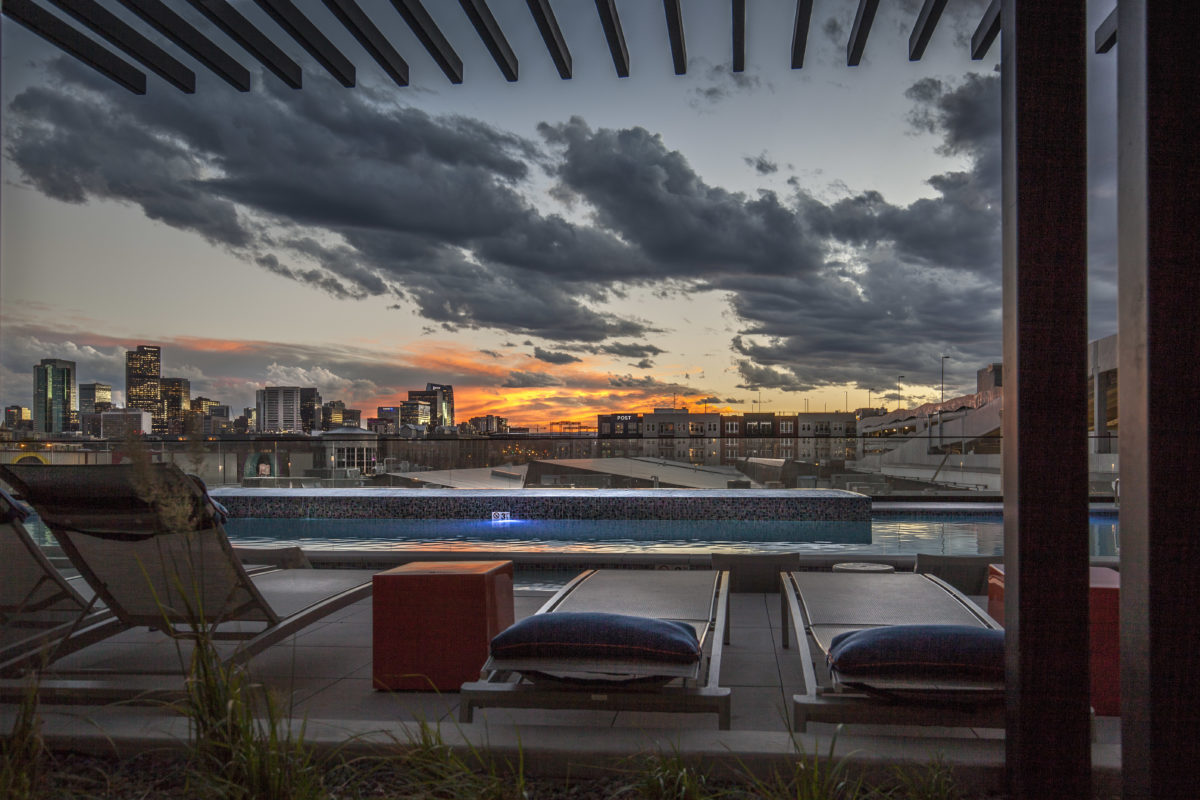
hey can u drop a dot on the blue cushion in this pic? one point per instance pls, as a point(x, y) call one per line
point(615, 637)
point(920, 651)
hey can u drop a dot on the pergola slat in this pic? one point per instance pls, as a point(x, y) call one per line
point(250, 39)
point(607, 9)
point(431, 38)
point(675, 35)
point(800, 32)
point(739, 35)
point(986, 33)
point(103, 22)
point(1106, 34)
point(493, 38)
point(371, 38)
point(308, 36)
point(861, 30)
point(156, 14)
point(63, 36)
point(927, 20)
point(547, 25)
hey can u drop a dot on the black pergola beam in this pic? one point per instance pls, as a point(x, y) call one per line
point(607, 9)
point(986, 33)
point(70, 41)
point(493, 38)
point(371, 38)
point(739, 35)
point(675, 35)
point(800, 32)
point(120, 35)
point(927, 20)
point(861, 30)
point(431, 38)
point(194, 43)
point(1106, 34)
point(250, 39)
point(547, 25)
point(1158, 168)
point(306, 34)
point(1044, 277)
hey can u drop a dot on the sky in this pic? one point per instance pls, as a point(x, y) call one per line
point(777, 240)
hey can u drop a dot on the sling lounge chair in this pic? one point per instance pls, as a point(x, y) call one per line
point(151, 545)
point(941, 681)
point(699, 599)
point(43, 616)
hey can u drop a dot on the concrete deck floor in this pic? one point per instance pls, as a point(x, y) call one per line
point(325, 671)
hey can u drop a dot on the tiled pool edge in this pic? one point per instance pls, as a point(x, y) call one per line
point(651, 504)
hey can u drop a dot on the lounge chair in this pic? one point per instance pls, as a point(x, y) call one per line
point(151, 545)
point(43, 616)
point(700, 599)
point(944, 680)
point(967, 573)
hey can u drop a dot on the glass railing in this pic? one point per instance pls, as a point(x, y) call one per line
point(898, 466)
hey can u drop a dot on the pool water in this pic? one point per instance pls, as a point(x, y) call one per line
point(979, 533)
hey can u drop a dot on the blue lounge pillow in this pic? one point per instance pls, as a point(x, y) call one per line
point(617, 637)
point(920, 651)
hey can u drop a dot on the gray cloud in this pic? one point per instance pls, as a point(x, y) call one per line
point(762, 165)
point(520, 379)
point(551, 357)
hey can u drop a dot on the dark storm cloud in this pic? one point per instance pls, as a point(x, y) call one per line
point(520, 379)
point(629, 350)
point(551, 357)
point(652, 198)
point(328, 188)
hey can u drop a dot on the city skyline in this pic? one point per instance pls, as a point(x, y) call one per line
point(553, 249)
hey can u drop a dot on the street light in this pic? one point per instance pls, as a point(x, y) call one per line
point(944, 378)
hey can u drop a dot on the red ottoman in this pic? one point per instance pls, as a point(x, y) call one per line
point(1104, 631)
point(433, 620)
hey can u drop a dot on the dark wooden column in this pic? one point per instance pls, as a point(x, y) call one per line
point(1159, 391)
point(1045, 398)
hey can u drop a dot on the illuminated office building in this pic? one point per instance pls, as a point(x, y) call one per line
point(176, 394)
point(94, 397)
point(143, 383)
point(441, 402)
point(54, 395)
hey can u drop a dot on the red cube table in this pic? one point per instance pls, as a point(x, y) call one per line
point(1104, 590)
point(433, 621)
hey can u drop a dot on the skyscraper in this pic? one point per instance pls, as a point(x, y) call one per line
point(310, 410)
point(143, 374)
point(441, 402)
point(54, 395)
point(176, 394)
point(94, 397)
point(278, 409)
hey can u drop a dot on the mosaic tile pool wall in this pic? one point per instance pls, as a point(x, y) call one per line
point(664, 504)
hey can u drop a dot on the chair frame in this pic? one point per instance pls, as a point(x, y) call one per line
point(944, 703)
point(505, 687)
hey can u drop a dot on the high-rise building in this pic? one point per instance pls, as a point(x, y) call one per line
point(54, 395)
point(17, 417)
point(414, 412)
point(94, 397)
point(311, 416)
point(278, 409)
point(176, 394)
point(331, 415)
point(143, 377)
point(441, 402)
point(204, 405)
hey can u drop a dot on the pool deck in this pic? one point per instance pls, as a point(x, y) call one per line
point(325, 672)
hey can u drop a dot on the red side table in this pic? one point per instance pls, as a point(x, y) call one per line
point(433, 621)
point(1104, 592)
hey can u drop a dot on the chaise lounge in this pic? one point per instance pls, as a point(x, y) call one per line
point(150, 543)
point(895, 649)
point(615, 640)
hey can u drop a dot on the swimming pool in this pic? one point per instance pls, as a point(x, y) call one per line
point(884, 534)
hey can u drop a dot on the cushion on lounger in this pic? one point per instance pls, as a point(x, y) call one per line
point(593, 635)
point(920, 651)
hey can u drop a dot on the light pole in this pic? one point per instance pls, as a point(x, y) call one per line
point(944, 379)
